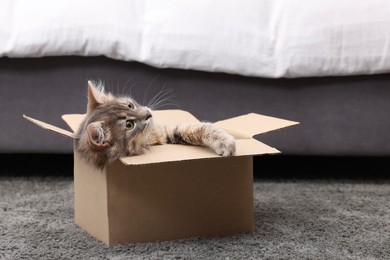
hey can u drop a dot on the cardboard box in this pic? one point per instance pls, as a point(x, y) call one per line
point(172, 191)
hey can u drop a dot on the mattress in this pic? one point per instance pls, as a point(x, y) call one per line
point(268, 38)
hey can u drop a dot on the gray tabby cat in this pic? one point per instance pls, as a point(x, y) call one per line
point(117, 127)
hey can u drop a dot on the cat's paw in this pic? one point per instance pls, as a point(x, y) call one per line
point(224, 144)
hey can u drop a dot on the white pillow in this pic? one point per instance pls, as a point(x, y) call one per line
point(268, 38)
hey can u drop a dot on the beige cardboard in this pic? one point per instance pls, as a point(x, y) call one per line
point(172, 191)
point(90, 199)
point(175, 152)
point(179, 199)
point(50, 127)
point(73, 120)
point(126, 204)
point(247, 126)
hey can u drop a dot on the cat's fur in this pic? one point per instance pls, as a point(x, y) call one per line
point(116, 127)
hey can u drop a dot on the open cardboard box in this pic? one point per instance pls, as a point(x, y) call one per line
point(172, 191)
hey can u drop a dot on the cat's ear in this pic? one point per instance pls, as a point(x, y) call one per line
point(97, 136)
point(97, 95)
point(93, 97)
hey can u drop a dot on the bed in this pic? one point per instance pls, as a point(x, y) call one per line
point(325, 64)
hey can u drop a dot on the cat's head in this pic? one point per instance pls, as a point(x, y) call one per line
point(114, 127)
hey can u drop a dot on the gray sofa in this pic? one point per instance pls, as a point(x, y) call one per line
point(339, 116)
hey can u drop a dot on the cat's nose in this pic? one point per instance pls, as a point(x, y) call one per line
point(148, 115)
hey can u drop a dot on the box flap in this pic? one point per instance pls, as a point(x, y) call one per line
point(50, 127)
point(177, 152)
point(173, 116)
point(247, 126)
point(73, 121)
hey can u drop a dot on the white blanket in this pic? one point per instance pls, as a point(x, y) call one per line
point(264, 38)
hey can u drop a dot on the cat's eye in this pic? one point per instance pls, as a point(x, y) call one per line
point(129, 125)
point(131, 105)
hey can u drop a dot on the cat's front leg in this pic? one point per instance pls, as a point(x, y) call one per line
point(219, 140)
point(204, 134)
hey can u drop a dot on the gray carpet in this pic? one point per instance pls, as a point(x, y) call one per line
point(293, 220)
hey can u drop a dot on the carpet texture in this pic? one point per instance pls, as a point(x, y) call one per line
point(293, 220)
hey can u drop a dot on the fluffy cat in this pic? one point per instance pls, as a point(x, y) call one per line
point(116, 127)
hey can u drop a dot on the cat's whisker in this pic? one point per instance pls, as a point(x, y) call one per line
point(163, 100)
point(117, 88)
point(163, 103)
point(162, 90)
point(162, 96)
point(148, 87)
point(127, 91)
point(122, 93)
point(131, 88)
point(151, 101)
point(127, 82)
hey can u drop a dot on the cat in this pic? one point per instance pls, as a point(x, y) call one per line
point(117, 126)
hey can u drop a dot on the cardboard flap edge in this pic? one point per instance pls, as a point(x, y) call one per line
point(249, 125)
point(169, 153)
point(50, 127)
